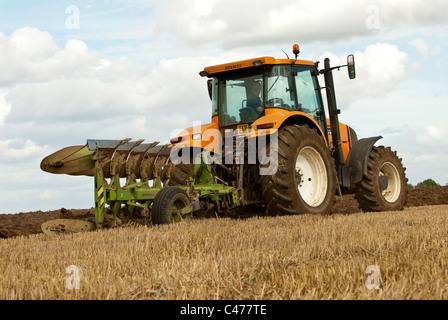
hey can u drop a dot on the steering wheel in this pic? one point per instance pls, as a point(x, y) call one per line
point(277, 102)
point(274, 101)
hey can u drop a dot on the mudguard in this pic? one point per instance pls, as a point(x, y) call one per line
point(358, 157)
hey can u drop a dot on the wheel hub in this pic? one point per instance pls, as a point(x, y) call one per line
point(299, 177)
point(383, 183)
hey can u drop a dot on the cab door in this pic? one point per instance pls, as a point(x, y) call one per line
point(309, 98)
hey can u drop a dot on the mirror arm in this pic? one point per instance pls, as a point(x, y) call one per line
point(332, 68)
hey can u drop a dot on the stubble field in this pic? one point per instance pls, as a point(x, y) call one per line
point(348, 255)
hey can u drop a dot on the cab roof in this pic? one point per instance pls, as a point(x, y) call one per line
point(250, 63)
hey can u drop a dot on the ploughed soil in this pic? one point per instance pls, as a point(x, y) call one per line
point(25, 223)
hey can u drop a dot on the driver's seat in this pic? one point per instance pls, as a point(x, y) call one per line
point(248, 115)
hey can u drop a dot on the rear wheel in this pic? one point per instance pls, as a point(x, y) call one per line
point(383, 187)
point(168, 204)
point(305, 180)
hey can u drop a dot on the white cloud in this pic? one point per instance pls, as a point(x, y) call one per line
point(18, 151)
point(38, 190)
point(413, 12)
point(5, 107)
point(30, 54)
point(74, 81)
point(431, 158)
point(379, 69)
point(432, 135)
point(234, 23)
point(423, 158)
point(423, 48)
point(413, 102)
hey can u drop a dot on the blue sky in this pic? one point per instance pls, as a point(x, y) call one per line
point(130, 69)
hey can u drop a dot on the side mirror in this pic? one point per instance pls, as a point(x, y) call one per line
point(351, 66)
point(210, 87)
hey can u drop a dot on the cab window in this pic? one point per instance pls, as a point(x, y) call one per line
point(307, 91)
point(280, 88)
point(240, 99)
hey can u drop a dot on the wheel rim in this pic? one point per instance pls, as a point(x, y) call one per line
point(392, 192)
point(311, 176)
point(178, 205)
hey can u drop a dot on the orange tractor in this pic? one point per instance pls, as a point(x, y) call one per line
point(270, 143)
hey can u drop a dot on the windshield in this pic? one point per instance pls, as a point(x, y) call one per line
point(240, 99)
point(280, 88)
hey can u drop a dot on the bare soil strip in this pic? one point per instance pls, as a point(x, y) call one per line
point(26, 223)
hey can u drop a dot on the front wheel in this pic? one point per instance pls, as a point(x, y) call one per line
point(383, 187)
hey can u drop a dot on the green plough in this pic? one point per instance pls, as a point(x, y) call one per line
point(132, 178)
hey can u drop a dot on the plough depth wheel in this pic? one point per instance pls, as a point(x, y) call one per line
point(170, 205)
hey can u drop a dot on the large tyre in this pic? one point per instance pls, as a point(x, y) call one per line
point(305, 180)
point(384, 186)
point(167, 204)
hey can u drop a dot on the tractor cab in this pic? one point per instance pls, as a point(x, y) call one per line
point(257, 97)
point(245, 91)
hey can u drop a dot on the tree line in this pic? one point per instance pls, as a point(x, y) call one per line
point(425, 183)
